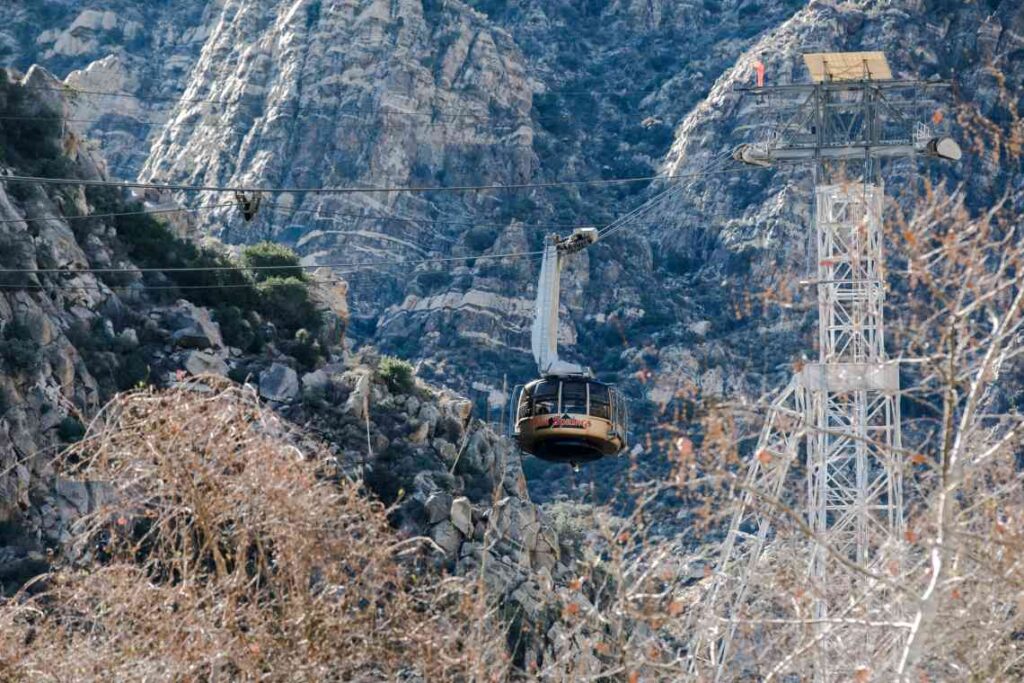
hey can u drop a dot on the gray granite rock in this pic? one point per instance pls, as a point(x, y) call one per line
point(462, 516)
point(279, 383)
point(204, 363)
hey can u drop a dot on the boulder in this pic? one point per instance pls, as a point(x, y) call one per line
point(546, 551)
point(129, 337)
point(412, 405)
point(419, 433)
point(279, 383)
point(40, 327)
point(447, 536)
point(315, 382)
point(462, 516)
point(446, 449)
point(429, 414)
point(193, 328)
point(438, 507)
point(203, 363)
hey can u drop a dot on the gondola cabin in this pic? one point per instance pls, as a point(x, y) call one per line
point(570, 419)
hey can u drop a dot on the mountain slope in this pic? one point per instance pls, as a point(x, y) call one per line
point(412, 93)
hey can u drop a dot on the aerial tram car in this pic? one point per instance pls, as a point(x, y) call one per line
point(565, 415)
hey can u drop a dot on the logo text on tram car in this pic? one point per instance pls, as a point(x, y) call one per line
point(568, 422)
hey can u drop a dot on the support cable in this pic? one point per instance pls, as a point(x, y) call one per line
point(171, 187)
point(715, 166)
point(118, 214)
point(317, 215)
point(190, 269)
point(235, 127)
point(73, 90)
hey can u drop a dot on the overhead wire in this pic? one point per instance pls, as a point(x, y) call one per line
point(74, 90)
point(641, 210)
point(320, 282)
point(119, 214)
point(235, 127)
point(317, 215)
point(605, 231)
point(103, 287)
point(713, 166)
point(426, 221)
point(188, 269)
point(178, 187)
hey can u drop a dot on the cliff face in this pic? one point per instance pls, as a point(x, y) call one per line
point(351, 94)
point(430, 93)
point(144, 52)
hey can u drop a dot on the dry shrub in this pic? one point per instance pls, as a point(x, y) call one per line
point(233, 553)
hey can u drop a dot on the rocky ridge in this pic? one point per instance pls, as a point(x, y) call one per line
point(67, 344)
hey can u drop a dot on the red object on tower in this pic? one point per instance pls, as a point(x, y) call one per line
point(759, 68)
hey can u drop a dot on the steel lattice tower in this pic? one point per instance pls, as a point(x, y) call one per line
point(841, 413)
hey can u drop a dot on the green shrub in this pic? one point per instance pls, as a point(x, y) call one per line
point(434, 280)
point(132, 371)
point(237, 330)
point(279, 260)
point(70, 430)
point(285, 301)
point(305, 349)
point(481, 238)
point(396, 373)
point(17, 349)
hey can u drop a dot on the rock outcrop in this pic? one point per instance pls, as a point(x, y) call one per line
point(70, 337)
point(460, 485)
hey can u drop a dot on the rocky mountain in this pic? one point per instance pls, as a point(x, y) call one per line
point(428, 93)
point(70, 340)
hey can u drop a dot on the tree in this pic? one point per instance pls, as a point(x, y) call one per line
point(286, 302)
point(268, 259)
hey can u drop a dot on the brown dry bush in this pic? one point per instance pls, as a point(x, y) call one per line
point(230, 551)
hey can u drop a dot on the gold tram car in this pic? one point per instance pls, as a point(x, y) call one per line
point(570, 419)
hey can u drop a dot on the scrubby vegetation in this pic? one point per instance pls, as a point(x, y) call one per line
point(267, 284)
point(31, 143)
point(481, 239)
point(397, 373)
point(222, 556)
point(268, 259)
point(17, 350)
point(285, 301)
point(116, 365)
point(70, 429)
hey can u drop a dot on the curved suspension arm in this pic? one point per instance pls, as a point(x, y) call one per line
point(545, 323)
